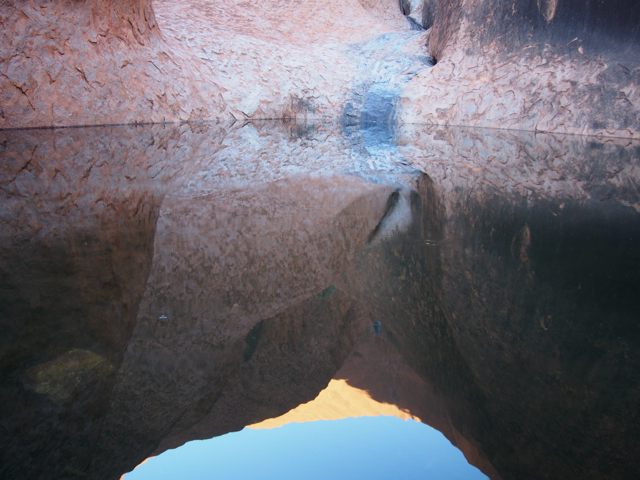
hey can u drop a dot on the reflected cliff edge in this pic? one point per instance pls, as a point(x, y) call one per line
point(165, 283)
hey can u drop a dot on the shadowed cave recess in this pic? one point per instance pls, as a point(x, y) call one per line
point(436, 202)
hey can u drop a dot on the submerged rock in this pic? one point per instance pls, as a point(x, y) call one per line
point(58, 379)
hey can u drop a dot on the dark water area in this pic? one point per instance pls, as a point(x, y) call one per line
point(165, 283)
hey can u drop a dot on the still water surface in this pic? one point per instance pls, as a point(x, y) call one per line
point(169, 283)
point(367, 447)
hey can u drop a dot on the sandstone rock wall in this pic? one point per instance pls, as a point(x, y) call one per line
point(557, 66)
point(79, 63)
point(550, 65)
point(101, 62)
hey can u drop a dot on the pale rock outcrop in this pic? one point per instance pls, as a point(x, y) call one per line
point(104, 62)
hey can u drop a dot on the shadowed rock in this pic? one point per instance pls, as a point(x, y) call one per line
point(194, 279)
point(551, 65)
point(146, 270)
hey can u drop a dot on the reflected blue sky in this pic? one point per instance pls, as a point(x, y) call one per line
point(384, 448)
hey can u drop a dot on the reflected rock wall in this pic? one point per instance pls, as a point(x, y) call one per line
point(376, 366)
point(537, 272)
point(140, 290)
point(222, 264)
point(287, 360)
point(166, 283)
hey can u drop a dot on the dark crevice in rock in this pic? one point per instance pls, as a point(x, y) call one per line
point(391, 205)
point(251, 342)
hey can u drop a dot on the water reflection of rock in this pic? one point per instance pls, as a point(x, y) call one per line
point(534, 263)
point(225, 274)
point(153, 252)
point(221, 264)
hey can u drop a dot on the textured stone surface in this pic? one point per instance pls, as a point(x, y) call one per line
point(189, 61)
point(70, 63)
point(531, 240)
point(157, 249)
point(556, 66)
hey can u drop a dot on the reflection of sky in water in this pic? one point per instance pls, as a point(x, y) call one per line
point(383, 448)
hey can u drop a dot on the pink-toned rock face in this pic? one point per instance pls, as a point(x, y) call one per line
point(68, 63)
point(74, 63)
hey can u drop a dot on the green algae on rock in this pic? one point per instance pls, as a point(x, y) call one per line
point(59, 379)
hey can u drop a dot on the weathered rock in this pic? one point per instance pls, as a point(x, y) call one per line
point(417, 11)
point(531, 247)
point(67, 63)
point(138, 259)
point(555, 66)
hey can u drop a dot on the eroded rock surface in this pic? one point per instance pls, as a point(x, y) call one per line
point(165, 283)
point(188, 60)
point(552, 65)
point(556, 66)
